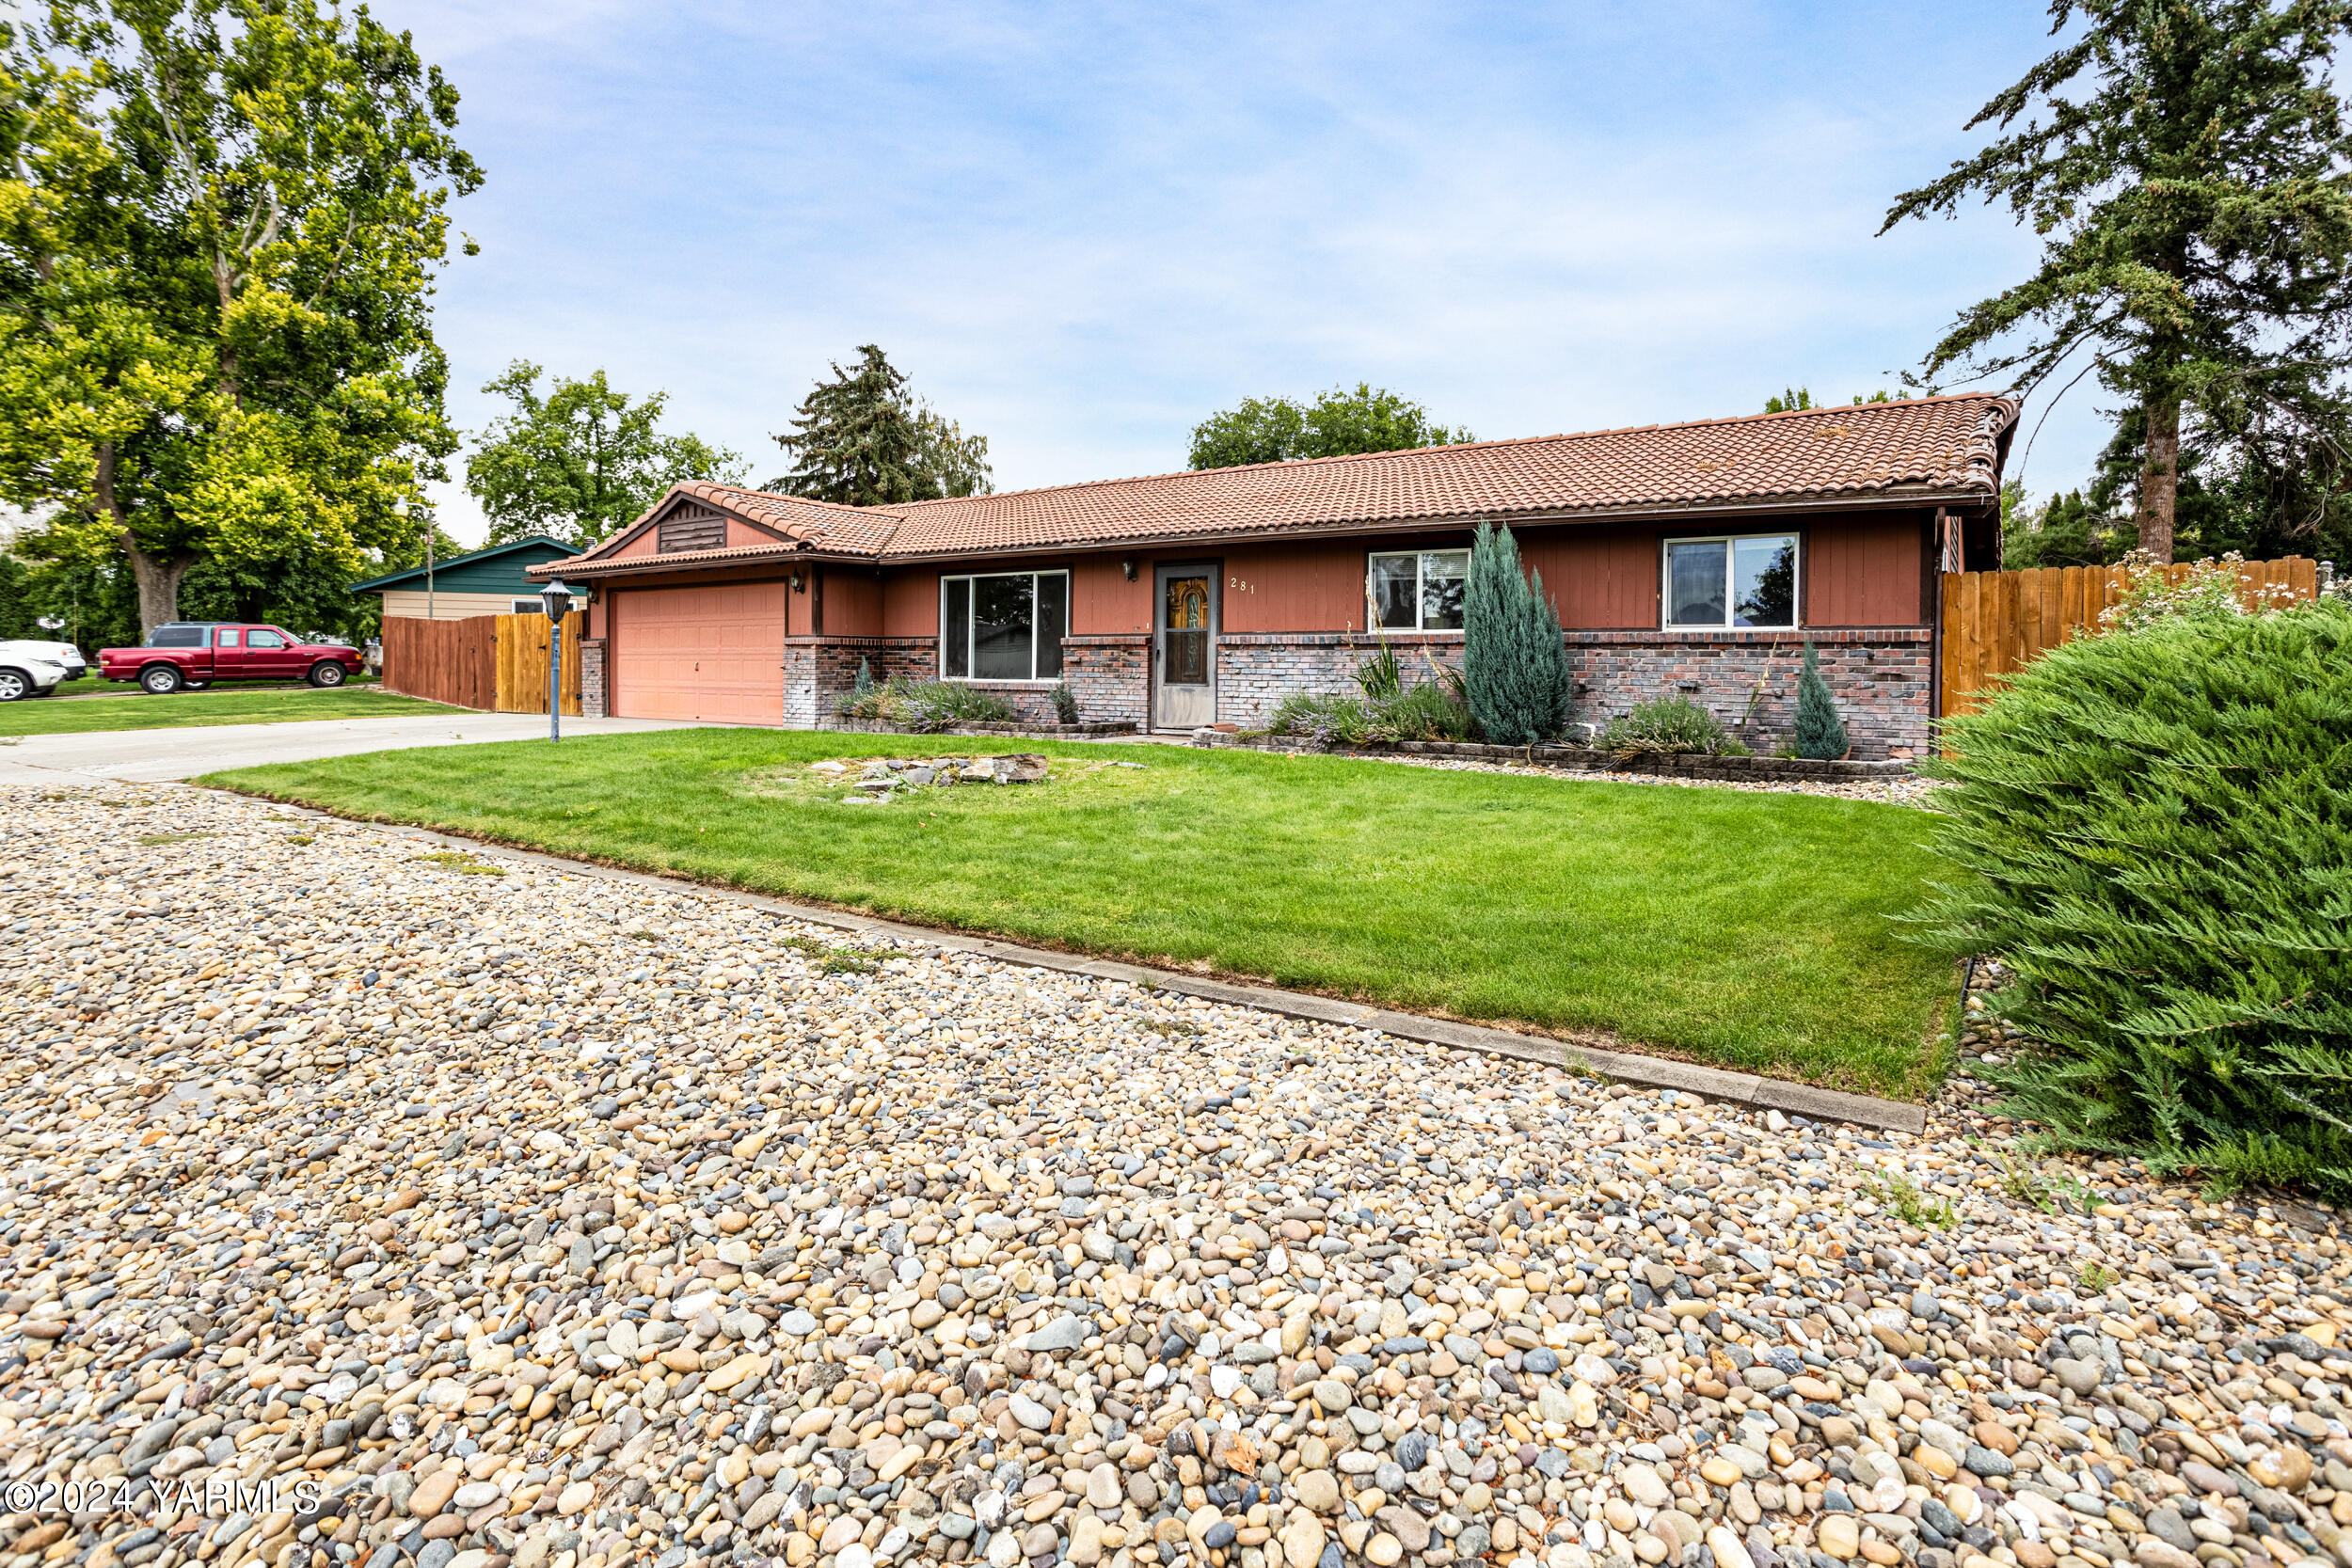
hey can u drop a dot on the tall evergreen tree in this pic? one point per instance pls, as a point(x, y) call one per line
point(864, 439)
point(2197, 225)
point(1515, 659)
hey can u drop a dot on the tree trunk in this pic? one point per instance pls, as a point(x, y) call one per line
point(158, 578)
point(2160, 479)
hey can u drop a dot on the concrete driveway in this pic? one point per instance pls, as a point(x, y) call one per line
point(150, 756)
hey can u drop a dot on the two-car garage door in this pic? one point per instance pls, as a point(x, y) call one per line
point(712, 654)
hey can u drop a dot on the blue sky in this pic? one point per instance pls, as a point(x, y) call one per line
point(1081, 229)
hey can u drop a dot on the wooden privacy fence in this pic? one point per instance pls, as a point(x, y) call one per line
point(1997, 623)
point(445, 661)
point(498, 664)
point(522, 661)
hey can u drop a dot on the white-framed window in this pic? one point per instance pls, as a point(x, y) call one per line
point(1734, 579)
point(1003, 625)
point(1417, 589)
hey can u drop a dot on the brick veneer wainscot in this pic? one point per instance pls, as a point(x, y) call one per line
point(1255, 670)
point(1110, 676)
point(819, 672)
point(1880, 678)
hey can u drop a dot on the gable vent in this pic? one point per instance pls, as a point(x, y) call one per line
point(690, 528)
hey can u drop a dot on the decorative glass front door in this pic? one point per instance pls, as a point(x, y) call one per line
point(1187, 652)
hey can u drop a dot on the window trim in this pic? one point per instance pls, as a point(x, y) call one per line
point(1417, 552)
point(1666, 585)
point(971, 622)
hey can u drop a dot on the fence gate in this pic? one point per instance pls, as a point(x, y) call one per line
point(522, 662)
point(1997, 622)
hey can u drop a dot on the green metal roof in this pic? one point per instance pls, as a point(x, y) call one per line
point(496, 570)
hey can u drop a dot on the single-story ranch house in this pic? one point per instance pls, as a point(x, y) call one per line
point(1691, 558)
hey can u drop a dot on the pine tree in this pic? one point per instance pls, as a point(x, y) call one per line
point(864, 439)
point(1819, 731)
point(2180, 162)
point(1514, 660)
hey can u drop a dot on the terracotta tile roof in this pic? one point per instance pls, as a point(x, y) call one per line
point(1941, 447)
point(821, 524)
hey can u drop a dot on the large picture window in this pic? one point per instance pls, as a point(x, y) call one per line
point(1003, 626)
point(1418, 590)
point(1742, 580)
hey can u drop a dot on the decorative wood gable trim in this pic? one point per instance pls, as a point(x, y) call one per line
point(691, 512)
point(690, 526)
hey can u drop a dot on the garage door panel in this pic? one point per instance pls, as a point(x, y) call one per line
point(709, 654)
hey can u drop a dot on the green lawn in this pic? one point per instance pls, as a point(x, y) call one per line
point(1746, 929)
point(141, 710)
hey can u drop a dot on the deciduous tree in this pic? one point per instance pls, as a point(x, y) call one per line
point(1337, 423)
point(2184, 162)
point(220, 223)
point(581, 461)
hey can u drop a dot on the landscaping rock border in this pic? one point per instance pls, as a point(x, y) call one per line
point(1583, 759)
point(1044, 732)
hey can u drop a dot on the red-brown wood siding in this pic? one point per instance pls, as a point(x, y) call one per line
point(1598, 577)
point(1314, 585)
point(1101, 600)
point(1863, 571)
point(910, 603)
point(853, 602)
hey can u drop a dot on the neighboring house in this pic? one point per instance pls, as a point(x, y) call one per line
point(486, 583)
point(1691, 558)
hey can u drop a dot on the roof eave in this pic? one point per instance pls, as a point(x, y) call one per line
point(1893, 498)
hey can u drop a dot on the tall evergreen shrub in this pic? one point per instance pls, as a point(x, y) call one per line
point(2155, 832)
point(1819, 733)
point(1515, 662)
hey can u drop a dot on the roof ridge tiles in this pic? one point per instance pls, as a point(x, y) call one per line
point(899, 508)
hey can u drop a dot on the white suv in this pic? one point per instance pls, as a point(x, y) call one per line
point(28, 670)
point(64, 653)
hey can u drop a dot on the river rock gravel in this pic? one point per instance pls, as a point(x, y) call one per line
point(537, 1218)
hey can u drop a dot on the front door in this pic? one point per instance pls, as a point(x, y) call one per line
point(1184, 648)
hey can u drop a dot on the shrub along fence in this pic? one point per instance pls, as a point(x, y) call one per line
point(1997, 622)
point(497, 663)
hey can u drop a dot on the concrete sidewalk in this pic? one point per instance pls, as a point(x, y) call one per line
point(151, 755)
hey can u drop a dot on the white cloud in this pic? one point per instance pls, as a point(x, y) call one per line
point(1081, 231)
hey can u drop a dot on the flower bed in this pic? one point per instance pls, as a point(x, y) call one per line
point(1586, 759)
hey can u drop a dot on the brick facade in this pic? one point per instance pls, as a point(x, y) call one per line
point(819, 670)
point(592, 677)
point(1256, 671)
point(1882, 680)
point(1110, 676)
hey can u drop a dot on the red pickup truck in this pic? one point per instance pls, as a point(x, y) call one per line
point(184, 654)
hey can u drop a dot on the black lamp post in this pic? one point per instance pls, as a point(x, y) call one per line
point(558, 600)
